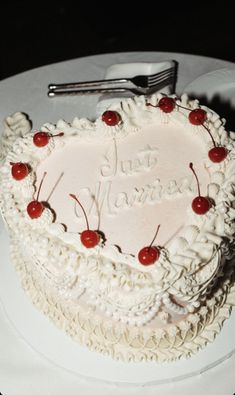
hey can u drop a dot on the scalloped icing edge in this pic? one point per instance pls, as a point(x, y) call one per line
point(130, 344)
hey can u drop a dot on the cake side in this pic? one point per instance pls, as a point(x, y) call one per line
point(131, 343)
point(106, 298)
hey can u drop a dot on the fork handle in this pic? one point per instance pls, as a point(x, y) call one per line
point(73, 92)
point(74, 85)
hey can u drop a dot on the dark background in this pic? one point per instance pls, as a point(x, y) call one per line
point(39, 34)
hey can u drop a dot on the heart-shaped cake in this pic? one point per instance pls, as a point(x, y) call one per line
point(122, 229)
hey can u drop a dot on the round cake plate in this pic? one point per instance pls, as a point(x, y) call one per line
point(215, 85)
point(216, 89)
point(58, 348)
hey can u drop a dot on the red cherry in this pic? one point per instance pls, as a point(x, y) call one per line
point(41, 139)
point(148, 255)
point(166, 104)
point(217, 154)
point(35, 209)
point(89, 238)
point(111, 118)
point(201, 205)
point(197, 116)
point(19, 170)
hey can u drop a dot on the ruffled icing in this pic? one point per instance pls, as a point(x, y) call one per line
point(103, 297)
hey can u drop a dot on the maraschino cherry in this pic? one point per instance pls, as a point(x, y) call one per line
point(111, 118)
point(19, 170)
point(197, 116)
point(216, 154)
point(41, 139)
point(35, 208)
point(166, 104)
point(89, 238)
point(150, 254)
point(200, 204)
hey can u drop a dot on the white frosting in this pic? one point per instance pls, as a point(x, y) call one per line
point(132, 177)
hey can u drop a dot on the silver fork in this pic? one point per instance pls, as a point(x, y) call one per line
point(141, 84)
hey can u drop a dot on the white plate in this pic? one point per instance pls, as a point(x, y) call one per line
point(217, 90)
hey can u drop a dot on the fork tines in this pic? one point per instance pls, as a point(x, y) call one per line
point(155, 78)
point(140, 84)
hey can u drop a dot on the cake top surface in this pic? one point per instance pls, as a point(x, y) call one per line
point(131, 175)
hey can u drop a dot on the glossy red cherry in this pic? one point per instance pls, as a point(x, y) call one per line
point(35, 209)
point(41, 139)
point(148, 255)
point(166, 104)
point(89, 238)
point(197, 116)
point(19, 170)
point(217, 154)
point(200, 204)
point(111, 118)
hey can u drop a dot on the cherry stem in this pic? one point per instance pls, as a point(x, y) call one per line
point(157, 105)
point(76, 199)
point(57, 135)
point(202, 124)
point(185, 108)
point(152, 105)
point(54, 187)
point(198, 187)
point(208, 130)
point(40, 185)
point(156, 233)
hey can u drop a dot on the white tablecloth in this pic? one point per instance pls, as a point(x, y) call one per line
point(22, 370)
